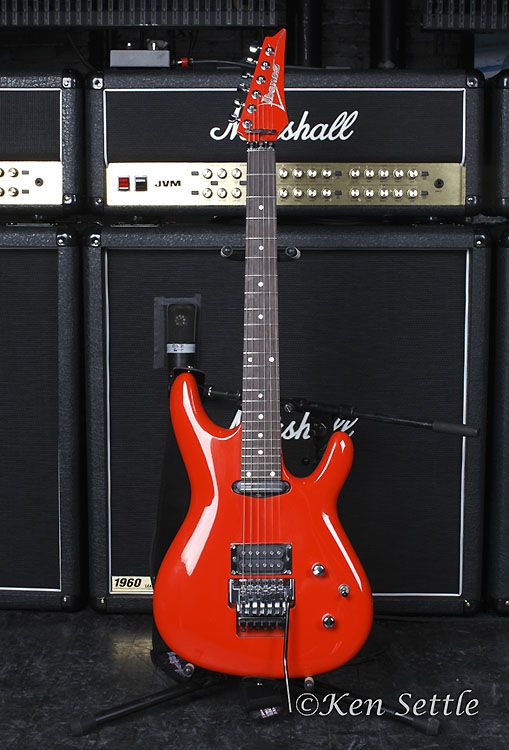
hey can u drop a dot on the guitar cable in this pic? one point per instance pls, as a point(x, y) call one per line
point(285, 656)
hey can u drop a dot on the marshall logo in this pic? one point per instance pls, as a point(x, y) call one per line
point(302, 430)
point(340, 130)
point(168, 183)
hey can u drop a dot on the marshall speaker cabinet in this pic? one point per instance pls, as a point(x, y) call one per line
point(388, 320)
point(40, 424)
point(498, 530)
point(40, 143)
point(357, 143)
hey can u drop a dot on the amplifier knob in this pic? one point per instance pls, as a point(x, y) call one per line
point(384, 192)
point(207, 193)
point(312, 173)
point(383, 173)
point(326, 192)
point(283, 193)
point(355, 173)
point(221, 173)
point(311, 193)
point(297, 173)
point(398, 193)
point(412, 193)
point(2, 191)
point(237, 173)
point(297, 193)
point(236, 192)
point(13, 172)
point(207, 173)
point(369, 193)
point(283, 172)
point(369, 173)
point(222, 193)
point(13, 192)
point(398, 174)
point(1, 172)
point(355, 193)
point(326, 173)
point(413, 173)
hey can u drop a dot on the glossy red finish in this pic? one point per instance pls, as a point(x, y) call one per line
point(266, 94)
point(191, 591)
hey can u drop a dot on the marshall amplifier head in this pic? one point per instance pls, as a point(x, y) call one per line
point(40, 143)
point(497, 172)
point(357, 143)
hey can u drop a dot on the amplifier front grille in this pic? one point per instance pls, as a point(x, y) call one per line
point(466, 15)
point(37, 13)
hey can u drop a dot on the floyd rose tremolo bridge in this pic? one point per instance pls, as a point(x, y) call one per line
point(298, 184)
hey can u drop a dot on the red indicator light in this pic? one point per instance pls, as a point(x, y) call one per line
point(124, 183)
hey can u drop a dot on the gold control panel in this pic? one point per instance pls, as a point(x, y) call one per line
point(297, 184)
point(31, 183)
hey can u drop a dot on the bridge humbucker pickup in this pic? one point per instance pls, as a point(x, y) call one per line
point(257, 559)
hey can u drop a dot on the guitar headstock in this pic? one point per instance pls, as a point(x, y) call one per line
point(262, 115)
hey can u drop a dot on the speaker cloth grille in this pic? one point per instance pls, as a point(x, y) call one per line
point(29, 420)
point(30, 125)
point(389, 340)
point(190, 125)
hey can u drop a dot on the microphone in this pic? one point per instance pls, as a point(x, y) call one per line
point(181, 329)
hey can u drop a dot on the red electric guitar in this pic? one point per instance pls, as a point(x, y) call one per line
point(261, 579)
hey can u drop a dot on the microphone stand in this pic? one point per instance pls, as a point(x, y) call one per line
point(343, 411)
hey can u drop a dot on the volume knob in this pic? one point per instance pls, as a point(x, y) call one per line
point(318, 569)
point(328, 621)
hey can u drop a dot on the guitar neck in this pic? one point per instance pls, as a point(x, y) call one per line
point(261, 421)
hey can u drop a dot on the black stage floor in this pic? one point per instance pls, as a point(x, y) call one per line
point(56, 666)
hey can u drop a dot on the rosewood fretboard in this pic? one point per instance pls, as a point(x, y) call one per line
point(261, 421)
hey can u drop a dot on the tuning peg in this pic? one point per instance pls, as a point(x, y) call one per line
point(251, 60)
point(238, 103)
point(247, 75)
point(242, 88)
point(254, 48)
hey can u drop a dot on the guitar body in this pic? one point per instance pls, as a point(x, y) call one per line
point(191, 598)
